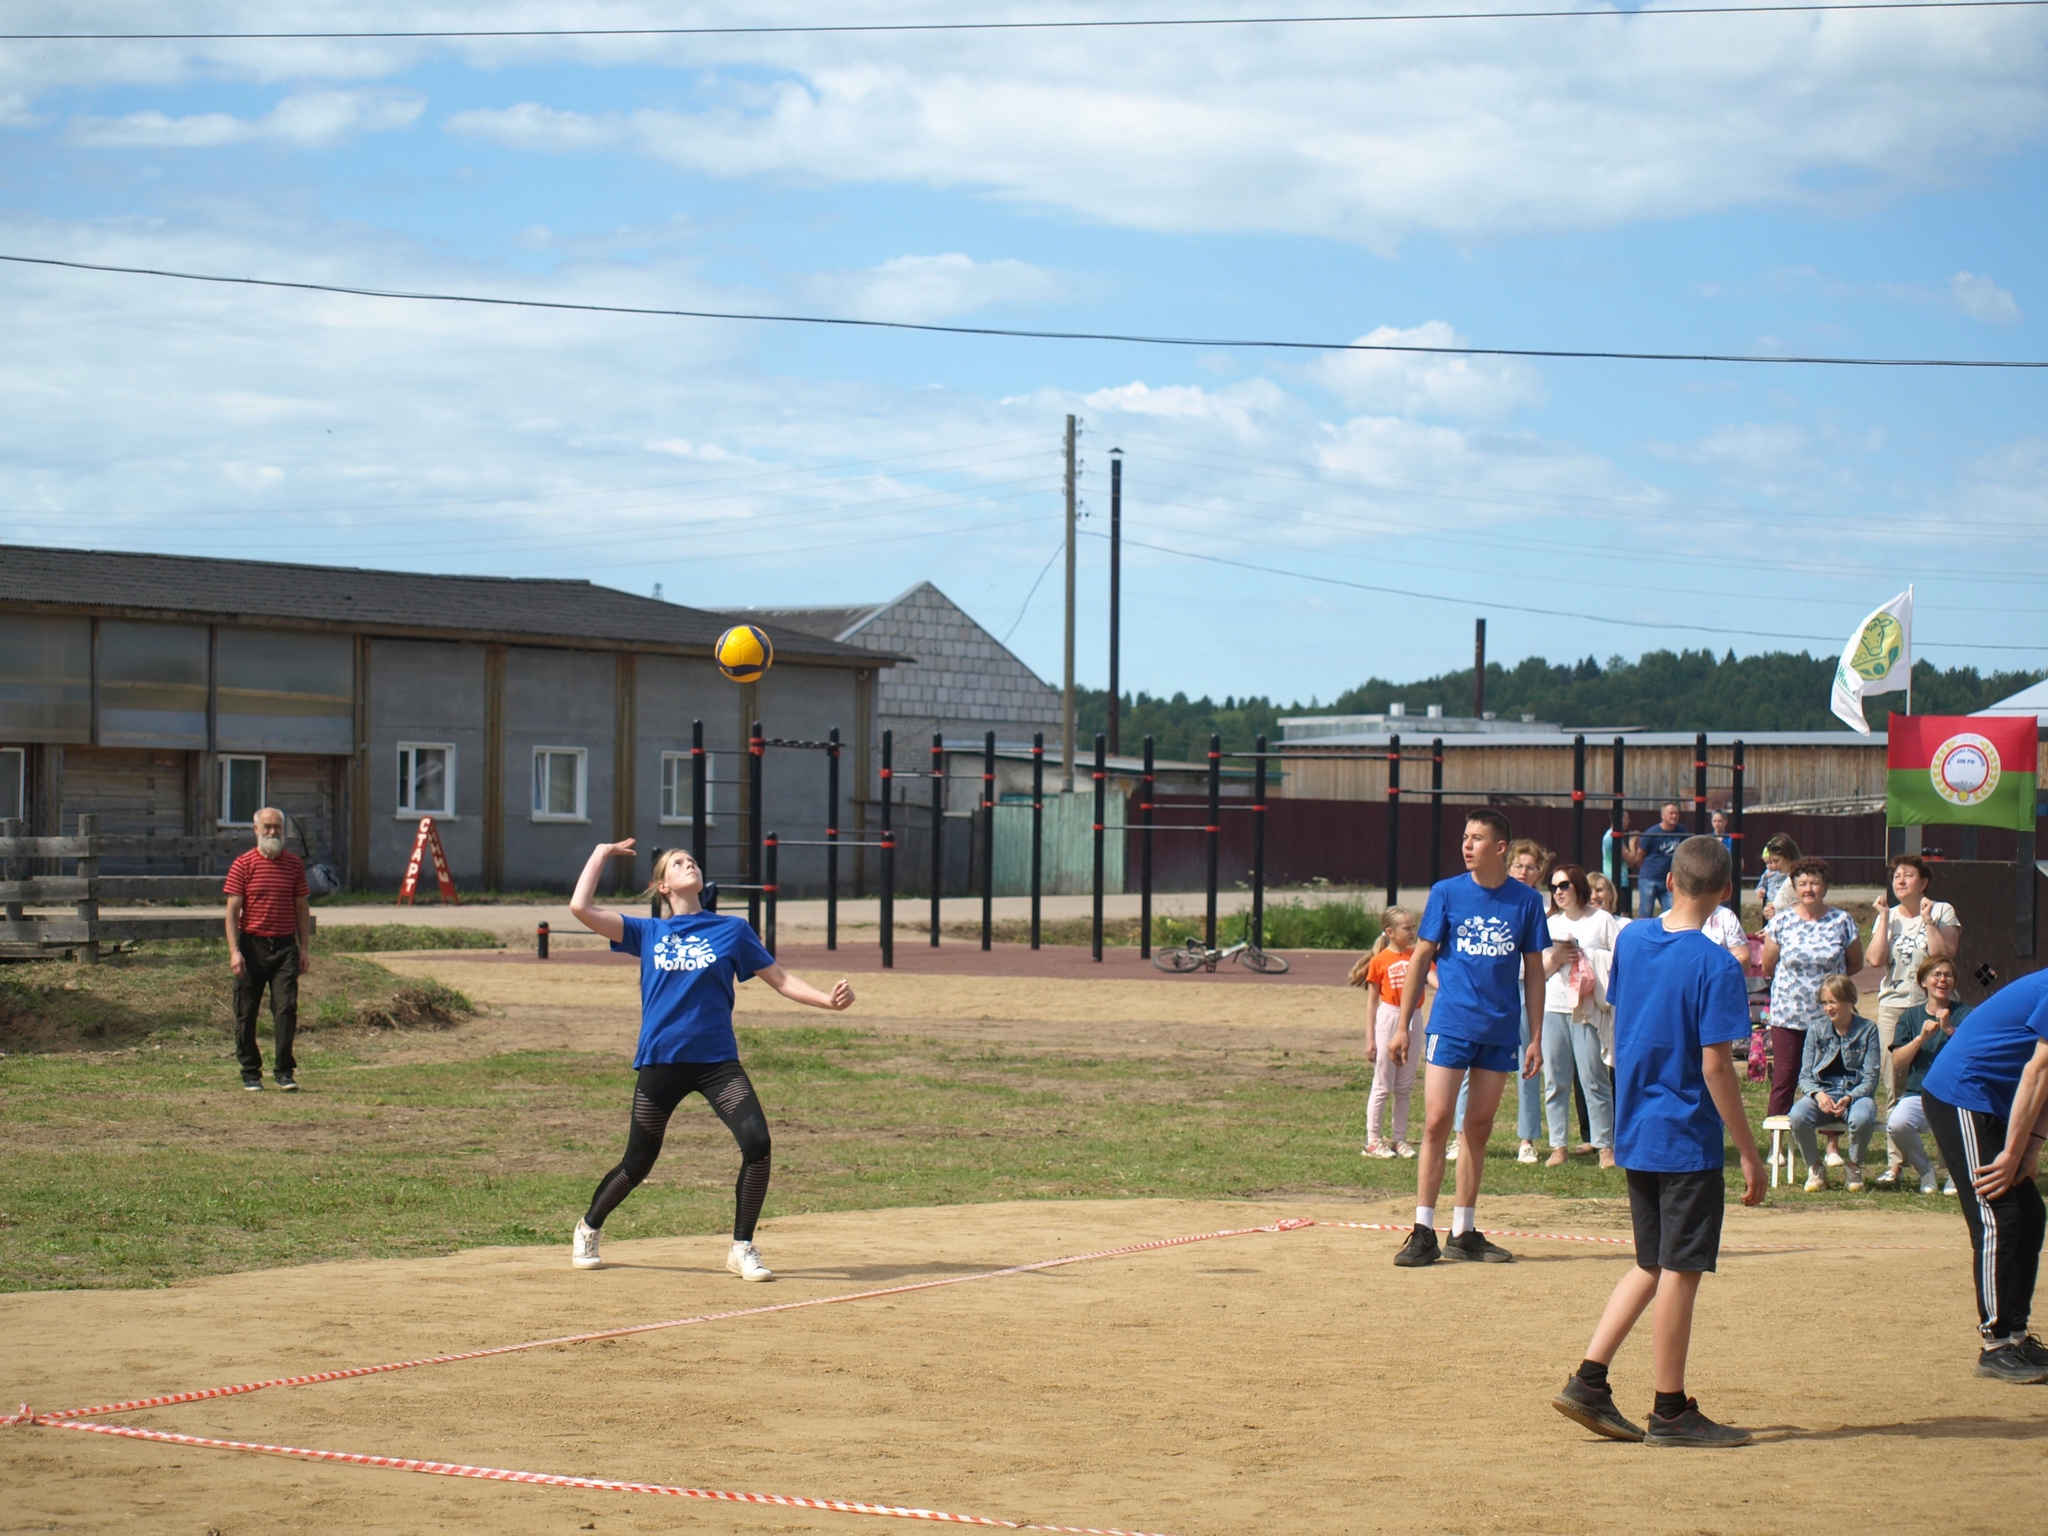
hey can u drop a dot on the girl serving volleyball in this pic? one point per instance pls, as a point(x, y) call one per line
point(690, 963)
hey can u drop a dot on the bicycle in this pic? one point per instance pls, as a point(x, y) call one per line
point(1184, 959)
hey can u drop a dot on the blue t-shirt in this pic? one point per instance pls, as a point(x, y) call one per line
point(1674, 994)
point(689, 966)
point(1480, 936)
point(1980, 1066)
point(1658, 846)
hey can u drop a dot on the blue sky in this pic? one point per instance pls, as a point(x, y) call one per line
point(1865, 185)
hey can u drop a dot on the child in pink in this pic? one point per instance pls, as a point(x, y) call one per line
point(1383, 976)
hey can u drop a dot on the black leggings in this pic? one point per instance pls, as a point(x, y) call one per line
point(659, 1090)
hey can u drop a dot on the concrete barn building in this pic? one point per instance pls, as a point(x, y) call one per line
point(173, 696)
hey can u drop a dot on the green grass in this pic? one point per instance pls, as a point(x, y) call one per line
point(383, 938)
point(1288, 924)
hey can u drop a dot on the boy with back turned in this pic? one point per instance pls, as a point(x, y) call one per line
point(1679, 1002)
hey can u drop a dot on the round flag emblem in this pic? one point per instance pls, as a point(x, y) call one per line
point(1878, 648)
point(1965, 769)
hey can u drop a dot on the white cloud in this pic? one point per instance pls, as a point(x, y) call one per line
point(314, 120)
point(531, 127)
point(1419, 384)
point(930, 288)
point(1968, 293)
point(1982, 299)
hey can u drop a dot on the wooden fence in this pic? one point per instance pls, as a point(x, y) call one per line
point(40, 936)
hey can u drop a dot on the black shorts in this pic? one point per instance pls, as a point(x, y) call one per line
point(1677, 1219)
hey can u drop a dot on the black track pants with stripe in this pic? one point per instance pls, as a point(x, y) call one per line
point(2006, 1233)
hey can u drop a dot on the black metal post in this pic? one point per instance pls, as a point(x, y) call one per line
point(1436, 809)
point(1145, 858)
point(888, 852)
point(770, 849)
point(1624, 891)
point(1393, 819)
point(698, 773)
point(1037, 826)
point(1215, 830)
point(1116, 582)
point(832, 839)
point(1699, 783)
point(988, 839)
point(1737, 792)
point(756, 751)
point(1579, 801)
point(1101, 789)
point(1257, 932)
point(938, 828)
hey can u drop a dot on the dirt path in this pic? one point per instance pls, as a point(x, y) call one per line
point(1292, 1381)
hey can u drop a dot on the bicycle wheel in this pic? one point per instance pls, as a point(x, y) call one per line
point(1180, 960)
point(1262, 961)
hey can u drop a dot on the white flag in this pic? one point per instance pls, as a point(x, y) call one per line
point(1877, 659)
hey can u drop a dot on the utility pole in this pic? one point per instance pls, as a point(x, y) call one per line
point(1116, 572)
point(1067, 678)
point(1479, 669)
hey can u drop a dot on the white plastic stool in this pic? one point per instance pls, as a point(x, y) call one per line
point(1782, 1142)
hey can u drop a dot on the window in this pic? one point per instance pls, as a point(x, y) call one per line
point(241, 790)
point(13, 762)
point(558, 784)
point(675, 790)
point(426, 778)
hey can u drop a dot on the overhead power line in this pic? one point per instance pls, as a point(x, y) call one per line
point(513, 34)
point(1126, 338)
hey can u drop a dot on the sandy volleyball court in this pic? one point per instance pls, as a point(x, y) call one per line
point(1293, 1380)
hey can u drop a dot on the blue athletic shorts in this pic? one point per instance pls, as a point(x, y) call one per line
point(1448, 1051)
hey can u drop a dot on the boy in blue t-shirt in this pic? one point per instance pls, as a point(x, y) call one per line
point(1485, 933)
point(1986, 1100)
point(1679, 1002)
point(690, 963)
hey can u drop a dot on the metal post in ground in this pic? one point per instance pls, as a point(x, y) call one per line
point(832, 839)
point(888, 852)
point(699, 772)
point(1436, 809)
point(1736, 790)
point(1145, 857)
point(770, 849)
point(1699, 783)
point(1101, 789)
point(1037, 826)
point(988, 839)
point(1579, 801)
point(1215, 831)
point(938, 829)
point(756, 750)
point(1257, 932)
point(1624, 889)
point(1393, 819)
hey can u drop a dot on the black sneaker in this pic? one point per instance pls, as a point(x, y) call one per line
point(1475, 1249)
point(286, 1083)
point(1689, 1426)
point(2031, 1349)
point(2008, 1361)
point(252, 1084)
point(1420, 1249)
point(1594, 1408)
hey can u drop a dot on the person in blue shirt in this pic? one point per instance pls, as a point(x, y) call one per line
point(1679, 1003)
point(690, 963)
point(1485, 933)
point(1653, 850)
point(1986, 1100)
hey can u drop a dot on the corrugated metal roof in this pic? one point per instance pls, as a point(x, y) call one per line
point(829, 623)
point(510, 607)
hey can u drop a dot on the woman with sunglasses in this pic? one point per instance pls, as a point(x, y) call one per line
point(1571, 1014)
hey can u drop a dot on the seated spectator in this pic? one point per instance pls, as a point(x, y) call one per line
point(1780, 854)
point(1837, 1081)
point(1917, 1040)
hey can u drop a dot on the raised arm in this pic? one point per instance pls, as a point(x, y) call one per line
point(800, 991)
point(599, 920)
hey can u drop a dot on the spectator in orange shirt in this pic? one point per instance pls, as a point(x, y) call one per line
point(270, 943)
point(1383, 975)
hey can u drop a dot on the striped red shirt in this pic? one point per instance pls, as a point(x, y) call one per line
point(270, 889)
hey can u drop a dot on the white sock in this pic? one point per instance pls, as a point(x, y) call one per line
point(1425, 1216)
point(1463, 1219)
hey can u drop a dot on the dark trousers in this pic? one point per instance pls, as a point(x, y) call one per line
point(273, 962)
point(2005, 1233)
point(1788, 1049)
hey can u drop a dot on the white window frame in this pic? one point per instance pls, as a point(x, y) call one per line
point(20, 755)
point(262, 793)
point(406, 778)
point(582, 756)
point(675, 792)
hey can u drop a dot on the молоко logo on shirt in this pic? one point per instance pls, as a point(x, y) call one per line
point(1484, 936)
point(683, 952)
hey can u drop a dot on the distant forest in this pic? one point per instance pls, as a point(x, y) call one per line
point(1664, 690)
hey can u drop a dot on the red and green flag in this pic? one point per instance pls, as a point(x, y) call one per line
point(1973, 769)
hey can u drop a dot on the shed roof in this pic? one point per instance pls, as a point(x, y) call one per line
point(2028, 701)
point(511, 608)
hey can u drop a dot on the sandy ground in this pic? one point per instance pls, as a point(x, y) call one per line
point(1291, 1381)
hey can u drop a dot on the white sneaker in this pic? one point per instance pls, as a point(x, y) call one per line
point(1948, 1186)
point(1527, 1154)
point(1377, 1149)
point(583, 1247)
point(745, 1261)
point(1816, 1181)
point(1832, 1158)
point(1930, 1185)
point(1403, 1149)
point(1451, 1151)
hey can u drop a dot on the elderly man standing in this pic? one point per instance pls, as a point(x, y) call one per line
point(270, 943)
